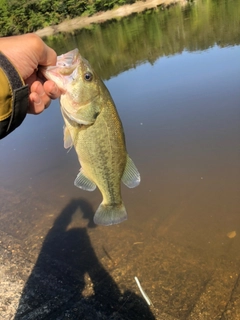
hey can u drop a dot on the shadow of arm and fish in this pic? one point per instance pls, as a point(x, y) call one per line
point(56, 288)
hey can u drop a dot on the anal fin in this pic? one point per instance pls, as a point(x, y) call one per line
point(84, 183)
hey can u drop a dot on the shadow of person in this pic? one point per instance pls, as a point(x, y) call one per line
point(57, 284)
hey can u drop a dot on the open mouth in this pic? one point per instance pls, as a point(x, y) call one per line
point(65, 65)
point(68, 59)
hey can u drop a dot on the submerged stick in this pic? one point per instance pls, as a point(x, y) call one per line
point(145, 296)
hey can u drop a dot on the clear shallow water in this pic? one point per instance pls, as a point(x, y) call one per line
point(181, 116)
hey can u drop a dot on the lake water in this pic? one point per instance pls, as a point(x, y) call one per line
point(174, 75)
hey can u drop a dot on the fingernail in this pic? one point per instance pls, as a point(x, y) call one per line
point(37, 100)
point(54, 90)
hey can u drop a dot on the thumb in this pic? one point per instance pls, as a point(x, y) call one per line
point(48, 56)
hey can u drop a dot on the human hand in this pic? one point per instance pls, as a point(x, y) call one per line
point(28, 52)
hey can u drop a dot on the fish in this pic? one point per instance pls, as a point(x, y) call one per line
point(93, 127)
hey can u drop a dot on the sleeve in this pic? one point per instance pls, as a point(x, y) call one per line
point(13, 97)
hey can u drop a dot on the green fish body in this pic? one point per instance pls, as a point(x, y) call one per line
point(93, 127)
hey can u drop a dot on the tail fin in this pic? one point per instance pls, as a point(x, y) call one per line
point(107, 215)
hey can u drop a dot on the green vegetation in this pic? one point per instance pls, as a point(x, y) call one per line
point(21, 16)
point(115, 46)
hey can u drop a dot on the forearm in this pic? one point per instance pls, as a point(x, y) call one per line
point(13, 97)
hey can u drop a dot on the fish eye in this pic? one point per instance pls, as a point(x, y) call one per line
point(88, 76)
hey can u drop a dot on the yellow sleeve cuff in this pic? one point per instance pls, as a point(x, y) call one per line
point(13, 97)
point(6, 96)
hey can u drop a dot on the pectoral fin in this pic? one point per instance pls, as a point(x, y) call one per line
point(131, 177)
point(67, 139)
point(84, 183)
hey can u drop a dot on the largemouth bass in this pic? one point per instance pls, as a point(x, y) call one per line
point(93, 127)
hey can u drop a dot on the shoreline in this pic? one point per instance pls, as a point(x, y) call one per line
point(123, 11)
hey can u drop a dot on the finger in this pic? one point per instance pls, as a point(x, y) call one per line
point(36, 105)
point(31, 79)
point(48, 56)
point(38, 88)
point(51, 89)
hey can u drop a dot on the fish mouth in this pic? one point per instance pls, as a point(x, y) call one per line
point(68, 59)
point(65, 65)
